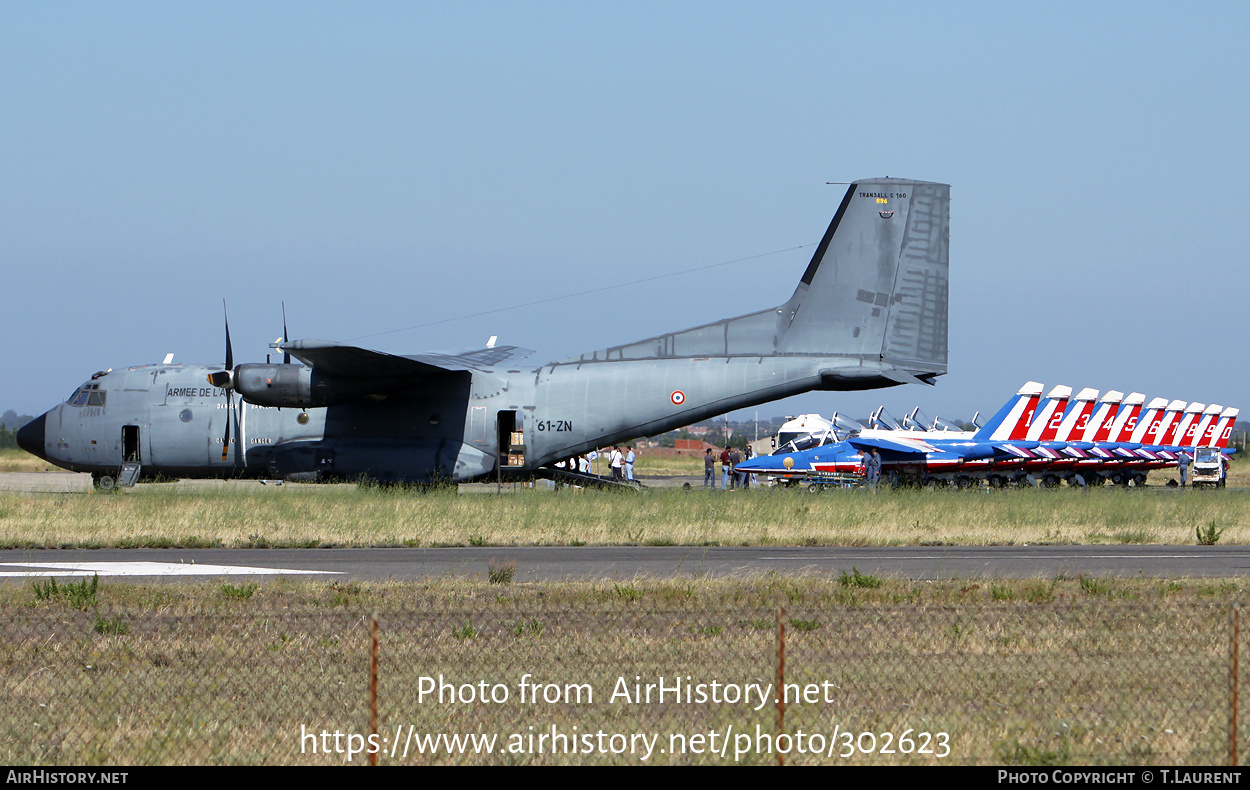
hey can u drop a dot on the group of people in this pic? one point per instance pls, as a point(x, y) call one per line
point(620, 462)
point(621, 465)
point(730, 457)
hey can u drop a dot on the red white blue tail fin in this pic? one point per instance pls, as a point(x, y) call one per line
point(1104, 413)
point(1159, 433)
point(1013, 417)
point(1223, 430)
point(1046, 422)
point(1121, 430)
point(1197, 436)
point(1077, 418)
point(1178, 436)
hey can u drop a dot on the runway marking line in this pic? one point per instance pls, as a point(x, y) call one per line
point(142, 569)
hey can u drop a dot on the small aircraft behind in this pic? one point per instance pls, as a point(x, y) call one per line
point(869, 311)
point(1029, 439)
point(913, 454)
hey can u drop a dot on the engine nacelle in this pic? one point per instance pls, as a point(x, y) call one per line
point(274, 385)
point(296, 386)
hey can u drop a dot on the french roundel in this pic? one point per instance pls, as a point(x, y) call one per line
point(678, 397)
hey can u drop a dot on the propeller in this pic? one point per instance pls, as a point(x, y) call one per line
point(286, 355)
point(225, 380)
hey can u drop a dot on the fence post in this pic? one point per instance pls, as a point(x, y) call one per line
point(373, 687)
point(781, 680)
point(1233, 683)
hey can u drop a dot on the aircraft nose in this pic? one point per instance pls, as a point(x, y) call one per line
point(30, 436)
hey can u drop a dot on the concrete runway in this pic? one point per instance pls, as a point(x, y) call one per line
point(628, 562)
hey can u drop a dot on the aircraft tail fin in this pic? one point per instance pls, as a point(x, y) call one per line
point(877, 285)
point(1121, 429)
point(1077, 417)
point(1161, 431)
point(1105, 413)
point(1224, 428)
point(1049, 414)
point(1178, 436)
point(1014, 414)
point(1148, 423)
point(1199, 434)
point(873, 299)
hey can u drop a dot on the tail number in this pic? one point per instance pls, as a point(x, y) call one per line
point(558, 426)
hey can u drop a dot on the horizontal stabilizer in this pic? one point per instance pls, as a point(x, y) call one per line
point(903, 377)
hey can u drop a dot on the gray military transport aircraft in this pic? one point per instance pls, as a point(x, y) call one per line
point(870, 311)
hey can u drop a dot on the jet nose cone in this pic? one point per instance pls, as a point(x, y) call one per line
point(30, 436)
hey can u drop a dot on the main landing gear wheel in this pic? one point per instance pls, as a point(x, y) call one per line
point(103, 482)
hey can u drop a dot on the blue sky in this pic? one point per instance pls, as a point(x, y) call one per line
point(378, 166)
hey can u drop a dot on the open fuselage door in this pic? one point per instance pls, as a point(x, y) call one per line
point(511, 441)
point(132, 457)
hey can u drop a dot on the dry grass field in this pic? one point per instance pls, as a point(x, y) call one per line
point(1027, 672)
point(12, 460)
point(309, 515)
point(294, 515)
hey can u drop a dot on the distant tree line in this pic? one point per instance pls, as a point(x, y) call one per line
point(10, 421)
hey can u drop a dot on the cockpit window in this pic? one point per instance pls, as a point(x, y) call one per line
point(87, 395)
point(807, 442)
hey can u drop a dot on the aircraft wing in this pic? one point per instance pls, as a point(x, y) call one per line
point(906, 446)
point(336, 359)
point(478, 359)
point(967, 450)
